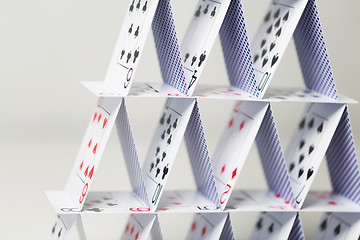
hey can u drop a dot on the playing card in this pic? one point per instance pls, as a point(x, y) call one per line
point(185, 201)
point(309, 144)
point(164, 146)
point(274, 225)
point(235, 144)
point(338, 226)
point(63, 226)
point(130, 154)
point(273, 37)
point(91, 149)
point(207, 226)
point(130, 44)
point(200, 37)
point(138, 226)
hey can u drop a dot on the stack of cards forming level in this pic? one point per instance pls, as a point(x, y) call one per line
point(323, 129)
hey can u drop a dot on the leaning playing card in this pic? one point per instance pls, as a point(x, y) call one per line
point(91, 149)
point(164, 146)
point(273, 37)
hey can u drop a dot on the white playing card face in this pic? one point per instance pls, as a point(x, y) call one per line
point(130, 44)
point(273, 37)
point(200, 37)
point(91, 149)
point(165, 145)
point(138, 227)
point(344, 226)
point(309, 144)
point(273, 225)
point(235, 145)
point(185, 201)
point(62, 226)
point(207, 226)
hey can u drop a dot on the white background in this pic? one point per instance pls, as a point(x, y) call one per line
point(47, 47)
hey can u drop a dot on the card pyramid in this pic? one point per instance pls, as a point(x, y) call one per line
point(324, 128)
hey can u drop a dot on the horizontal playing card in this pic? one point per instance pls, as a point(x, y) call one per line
point(185, 201)
point(257, 200)
point(273, 94)
point(98, 202)
point(328, 202)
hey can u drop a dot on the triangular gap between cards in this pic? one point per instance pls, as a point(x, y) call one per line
point(139, 226)
point(342, 161)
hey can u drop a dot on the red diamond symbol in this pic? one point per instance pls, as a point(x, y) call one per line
point(223, 169)
point(137, 236)
point(231, 123)
point(203, 231)
point(193, 226)
point(242, 125)
point(234, 173)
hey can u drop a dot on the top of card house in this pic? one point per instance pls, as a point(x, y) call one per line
point(217, 92)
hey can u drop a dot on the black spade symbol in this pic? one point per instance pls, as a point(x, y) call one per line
point(311, 123)
point(337, 230)
point(292, 165)
point(162, 119)
point(197, 13)
point(263, 52)
point(206, 9)
point(136, 55)
point(271, 228)
point(311, 149)
point(323, 225)
point(302, 143)
point(130, 28)
point(186, 56)
point(263, 42)
point(277, 24)
point(259, 224)
point(265, 61)
point(272, 45)
point(132, 6)
point(111, 204)
point(276, 15)
point(175, 123)
point(267, 17)
point(320, 128)
point(274, 60)
point(301, 171)
point(53, 230)
point(286, 17)
point(269, 29)
point(301, 158)
point(169, 139)
point(59, 234)
point(163, 135)
point(157, 151)
point(309, 173)
point(278, 33)
point(169, 119)
point(302, 124)
point(256, 57)
point(163, 156)
point(169, 130)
